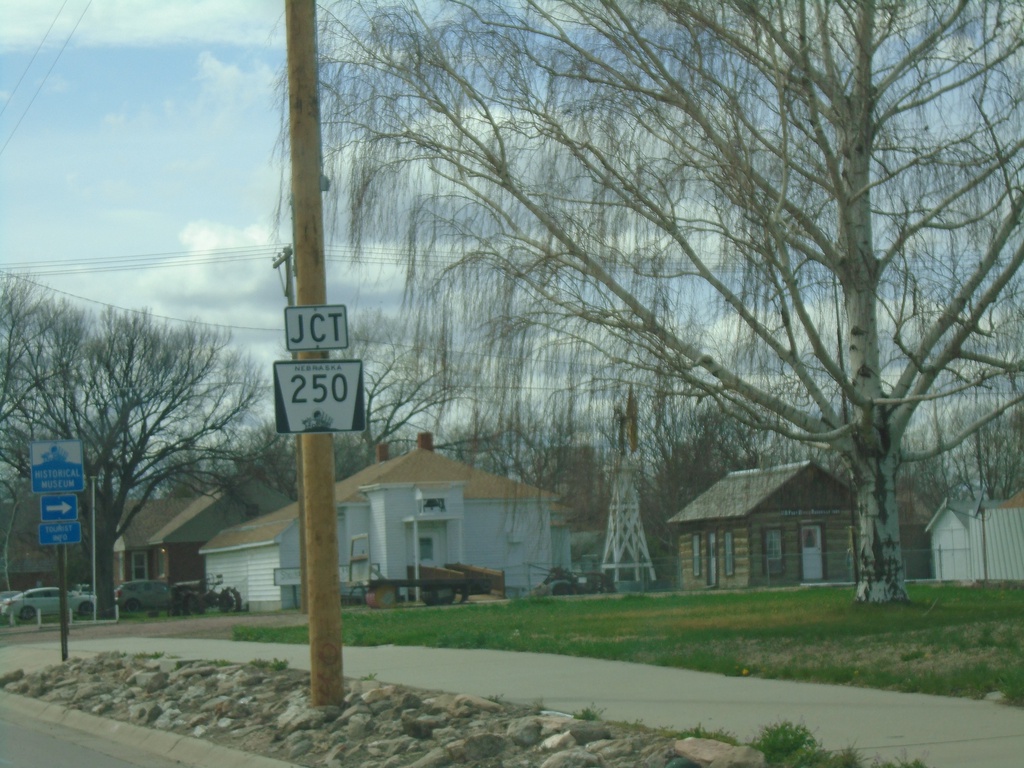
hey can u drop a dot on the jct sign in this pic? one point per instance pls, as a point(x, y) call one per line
point(313, 328)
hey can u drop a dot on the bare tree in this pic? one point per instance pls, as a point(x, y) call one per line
point(808, 211)
point(989, 462)
point(20, 331)
point(410, 376)
point(152, 404)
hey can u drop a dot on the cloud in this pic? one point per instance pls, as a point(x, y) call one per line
point(227, 90)
point(126, 23)
point(208, 236)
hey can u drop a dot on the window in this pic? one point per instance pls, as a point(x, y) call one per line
point(730, 564)
point(773, 563)
point(696, 554)
point(426, 548)
point(138, 565)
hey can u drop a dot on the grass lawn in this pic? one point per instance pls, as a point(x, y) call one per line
point(951, 641)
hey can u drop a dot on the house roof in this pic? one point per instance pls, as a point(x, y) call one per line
point(153, 516)
point(193, 508)
point(211, 513)
point(739, 493)
point(425, 466)
point(417, 466)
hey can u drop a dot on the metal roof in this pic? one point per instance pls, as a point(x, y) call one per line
point(739, 493)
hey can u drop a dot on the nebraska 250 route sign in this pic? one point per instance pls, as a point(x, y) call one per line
point(319, 396)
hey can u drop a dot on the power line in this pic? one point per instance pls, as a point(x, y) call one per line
point(33, 59)
point(136, 262)
point(46, 76)
point(51, 289)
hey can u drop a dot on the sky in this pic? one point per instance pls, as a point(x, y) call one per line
point(140, 160)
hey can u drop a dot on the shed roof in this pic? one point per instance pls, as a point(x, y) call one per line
point(261, 530)
point(1015, 501)
point(739, 493)
point(964, 509)
point(418, 466)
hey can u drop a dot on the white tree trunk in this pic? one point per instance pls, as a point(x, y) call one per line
point(880, 572)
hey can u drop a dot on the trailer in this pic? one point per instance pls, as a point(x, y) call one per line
point(432, 586)
point(195, 597)
point(561, 581)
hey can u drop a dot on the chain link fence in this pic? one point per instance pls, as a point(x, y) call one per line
point(671, 574)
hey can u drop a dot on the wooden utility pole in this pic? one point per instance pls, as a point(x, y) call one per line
point(327, 683)
point(285, 258)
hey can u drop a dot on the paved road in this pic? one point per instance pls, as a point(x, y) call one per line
point(28, 743)
point(943, 732)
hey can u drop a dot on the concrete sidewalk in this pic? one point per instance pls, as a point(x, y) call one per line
point(942, 732)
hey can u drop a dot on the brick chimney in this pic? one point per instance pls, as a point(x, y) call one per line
point(382, 453)
point(425, 440)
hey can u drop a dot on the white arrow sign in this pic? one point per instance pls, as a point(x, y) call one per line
point(55, 509)
point(59, 509)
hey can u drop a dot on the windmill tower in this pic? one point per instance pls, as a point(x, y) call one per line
point(626, 556)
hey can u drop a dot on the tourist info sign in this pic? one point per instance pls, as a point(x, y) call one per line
point(60, 533)
point(319, 396)
point(56, 466)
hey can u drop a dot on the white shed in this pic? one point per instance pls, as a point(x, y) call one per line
point(972, 542)
point(248, 558)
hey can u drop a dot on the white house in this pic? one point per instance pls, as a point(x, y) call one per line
point(972, 542)
point(420, 509)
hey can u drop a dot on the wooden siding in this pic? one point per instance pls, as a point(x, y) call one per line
point(749, 562)
point(251, 572)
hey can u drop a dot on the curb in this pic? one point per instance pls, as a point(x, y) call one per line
point(184, 749)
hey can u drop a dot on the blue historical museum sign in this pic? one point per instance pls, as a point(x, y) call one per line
point(57, 466)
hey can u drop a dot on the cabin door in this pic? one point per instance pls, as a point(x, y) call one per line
point(811, 550)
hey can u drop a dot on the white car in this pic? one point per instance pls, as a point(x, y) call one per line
point(45, 601)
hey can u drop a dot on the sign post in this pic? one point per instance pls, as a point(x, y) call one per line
point(57, 468)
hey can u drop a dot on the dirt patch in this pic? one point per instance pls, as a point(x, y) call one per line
point(208, 627)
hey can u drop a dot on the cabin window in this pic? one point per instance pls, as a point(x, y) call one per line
point(773, 563)
point(696, 554)
point(730, 560)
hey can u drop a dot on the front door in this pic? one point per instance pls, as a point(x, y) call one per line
point(431, 544)
point(810, 547)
